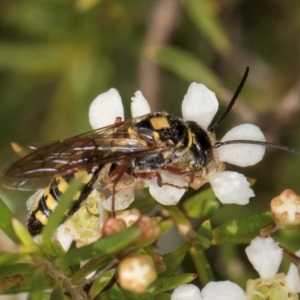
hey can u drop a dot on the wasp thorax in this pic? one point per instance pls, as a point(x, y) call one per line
point(161, 127)
point(186, 144)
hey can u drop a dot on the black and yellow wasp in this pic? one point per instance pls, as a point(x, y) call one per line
point(137, 147)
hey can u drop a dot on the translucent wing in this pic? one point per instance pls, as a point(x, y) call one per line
point(61, 158)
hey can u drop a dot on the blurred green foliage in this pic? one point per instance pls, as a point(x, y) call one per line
point(57, 55)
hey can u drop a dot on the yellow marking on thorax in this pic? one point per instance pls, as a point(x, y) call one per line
point(132, 132)
point(156, 135)
point(160, 123)
point(41, 217)
point(191, 139)
point(167, 154)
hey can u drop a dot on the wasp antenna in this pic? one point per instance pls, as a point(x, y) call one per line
point(231, 103)
point(267, 144)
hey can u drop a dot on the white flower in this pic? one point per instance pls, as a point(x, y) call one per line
point(292, 277)
point(139, 105)
point(84, 226)
point(187, 291)
point(111, 103)
point(266, 256)
point(199, 105)
point(231, 187)
point(166, 194)
point(222, 290)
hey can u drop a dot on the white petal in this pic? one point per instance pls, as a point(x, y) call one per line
point(223, 290)
point(242, 155)
point(265, 255)
point(123, 199)
point(292, 277)
point(231, 187)
point(199, 104)
point(64, 237)
point(139, 105)
point(166, 194)
point(105, 109)
point(186, 291)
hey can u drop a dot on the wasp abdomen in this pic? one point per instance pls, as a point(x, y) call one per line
point(49, 200)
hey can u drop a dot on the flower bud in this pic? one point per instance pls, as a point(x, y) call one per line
point(129, 216)
point(150, 230)
point(136, 273)
point(113, 226)
point(285, 209)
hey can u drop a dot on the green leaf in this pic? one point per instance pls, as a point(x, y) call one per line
point(16, 269)
point(201, 205)
point(5, 222)
point(104, 246)
point(27, 243)
point(204, 270)
point(8, 258)
point(242, 230)
point(101, 282)
point(58, 215)
point(53, 249)
point(164, 296)
point(37, 285)
point(115, 293)
point(174, 259)
point(176, 214)
point(186, 66)
point(166, 225)
point(203, 14)
point(204, 236)
point(57, 292)
point(90, 267)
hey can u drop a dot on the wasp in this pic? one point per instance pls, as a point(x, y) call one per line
point(136, 148)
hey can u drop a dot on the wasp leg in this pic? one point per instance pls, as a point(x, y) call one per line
point(151, 174)
point(180, 172)
point(117, 175)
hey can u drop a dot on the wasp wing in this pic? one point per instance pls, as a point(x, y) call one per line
point(82, 152)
